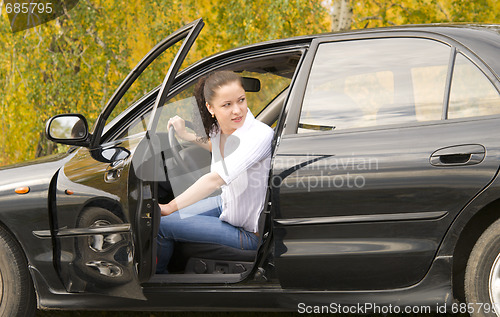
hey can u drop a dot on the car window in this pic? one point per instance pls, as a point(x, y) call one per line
point(183, 104)
point(152, 77)
point(375, 82)
point(472, 94)
point(270, 86)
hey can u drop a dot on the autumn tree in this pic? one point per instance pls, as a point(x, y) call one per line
point(375, 13)
point(75, 63)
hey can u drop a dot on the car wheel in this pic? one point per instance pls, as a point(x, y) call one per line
point(17, 295)
point(102, 258)
point(482, 275)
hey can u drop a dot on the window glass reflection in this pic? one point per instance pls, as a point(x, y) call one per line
point(472, 94)
point(68, 127)
point(375, 82)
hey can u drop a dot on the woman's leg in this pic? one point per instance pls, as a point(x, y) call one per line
point(210, 206)
point(203, 227)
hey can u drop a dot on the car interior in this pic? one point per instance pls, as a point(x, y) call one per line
point(266, 80)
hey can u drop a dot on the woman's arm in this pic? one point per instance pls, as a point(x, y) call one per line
point(180, 128)
point(203, 187)
point(191, 137)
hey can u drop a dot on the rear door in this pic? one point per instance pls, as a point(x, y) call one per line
point(105, 208)
point(370, 171)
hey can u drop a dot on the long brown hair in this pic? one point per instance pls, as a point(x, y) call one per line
point(205, 91)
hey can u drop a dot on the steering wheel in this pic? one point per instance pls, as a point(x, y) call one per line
point(176, 147)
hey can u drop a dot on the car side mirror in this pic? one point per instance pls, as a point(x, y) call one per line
point(71, 129)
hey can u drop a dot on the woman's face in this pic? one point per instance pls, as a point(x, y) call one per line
point(229, 106)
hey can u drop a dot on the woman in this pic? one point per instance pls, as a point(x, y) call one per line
point(241, 150)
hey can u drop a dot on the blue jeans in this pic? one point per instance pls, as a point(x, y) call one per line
point(199, 223)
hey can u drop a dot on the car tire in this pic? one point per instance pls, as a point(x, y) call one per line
point(482, 275)
point(102, 259)
point(17, 294)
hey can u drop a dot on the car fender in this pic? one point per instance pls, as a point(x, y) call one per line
point(23, 214)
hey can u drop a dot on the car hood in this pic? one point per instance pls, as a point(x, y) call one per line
point(37, 172)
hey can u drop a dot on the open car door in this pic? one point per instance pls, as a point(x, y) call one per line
point(103, 215)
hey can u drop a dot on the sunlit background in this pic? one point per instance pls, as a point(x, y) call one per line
point(74, 63)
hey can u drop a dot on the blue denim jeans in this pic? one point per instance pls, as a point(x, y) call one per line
point(199, 223)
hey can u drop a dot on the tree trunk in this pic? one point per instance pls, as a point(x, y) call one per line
point(341, 15)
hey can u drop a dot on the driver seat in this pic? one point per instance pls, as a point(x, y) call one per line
point(211, 258)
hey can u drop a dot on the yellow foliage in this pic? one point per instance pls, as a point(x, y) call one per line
point(75, 63)
point(398, 12)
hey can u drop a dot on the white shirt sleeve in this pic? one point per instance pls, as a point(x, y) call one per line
point(242, 151)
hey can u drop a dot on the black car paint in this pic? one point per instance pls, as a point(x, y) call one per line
point(339, 241)
point(83, 177)
point(358, 252)
point(432, 255)
point(32, 208)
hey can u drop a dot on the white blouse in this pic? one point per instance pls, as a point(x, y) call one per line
point(244, 167)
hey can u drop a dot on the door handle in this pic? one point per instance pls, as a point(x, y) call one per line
point(113, 171)
point(458, 155)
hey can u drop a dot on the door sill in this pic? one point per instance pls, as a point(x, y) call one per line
point(197, 278)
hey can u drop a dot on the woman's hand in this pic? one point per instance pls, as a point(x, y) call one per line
point(180, 127)
point(167, 209)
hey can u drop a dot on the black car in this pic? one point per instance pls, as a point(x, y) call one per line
point(383, 196)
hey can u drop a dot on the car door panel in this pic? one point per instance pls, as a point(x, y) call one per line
point(366, 203)
point(83, 187)
point(106, 215)
point(370, 209)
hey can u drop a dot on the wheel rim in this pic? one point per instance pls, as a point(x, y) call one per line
point(494, 285)
point(101, 242)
